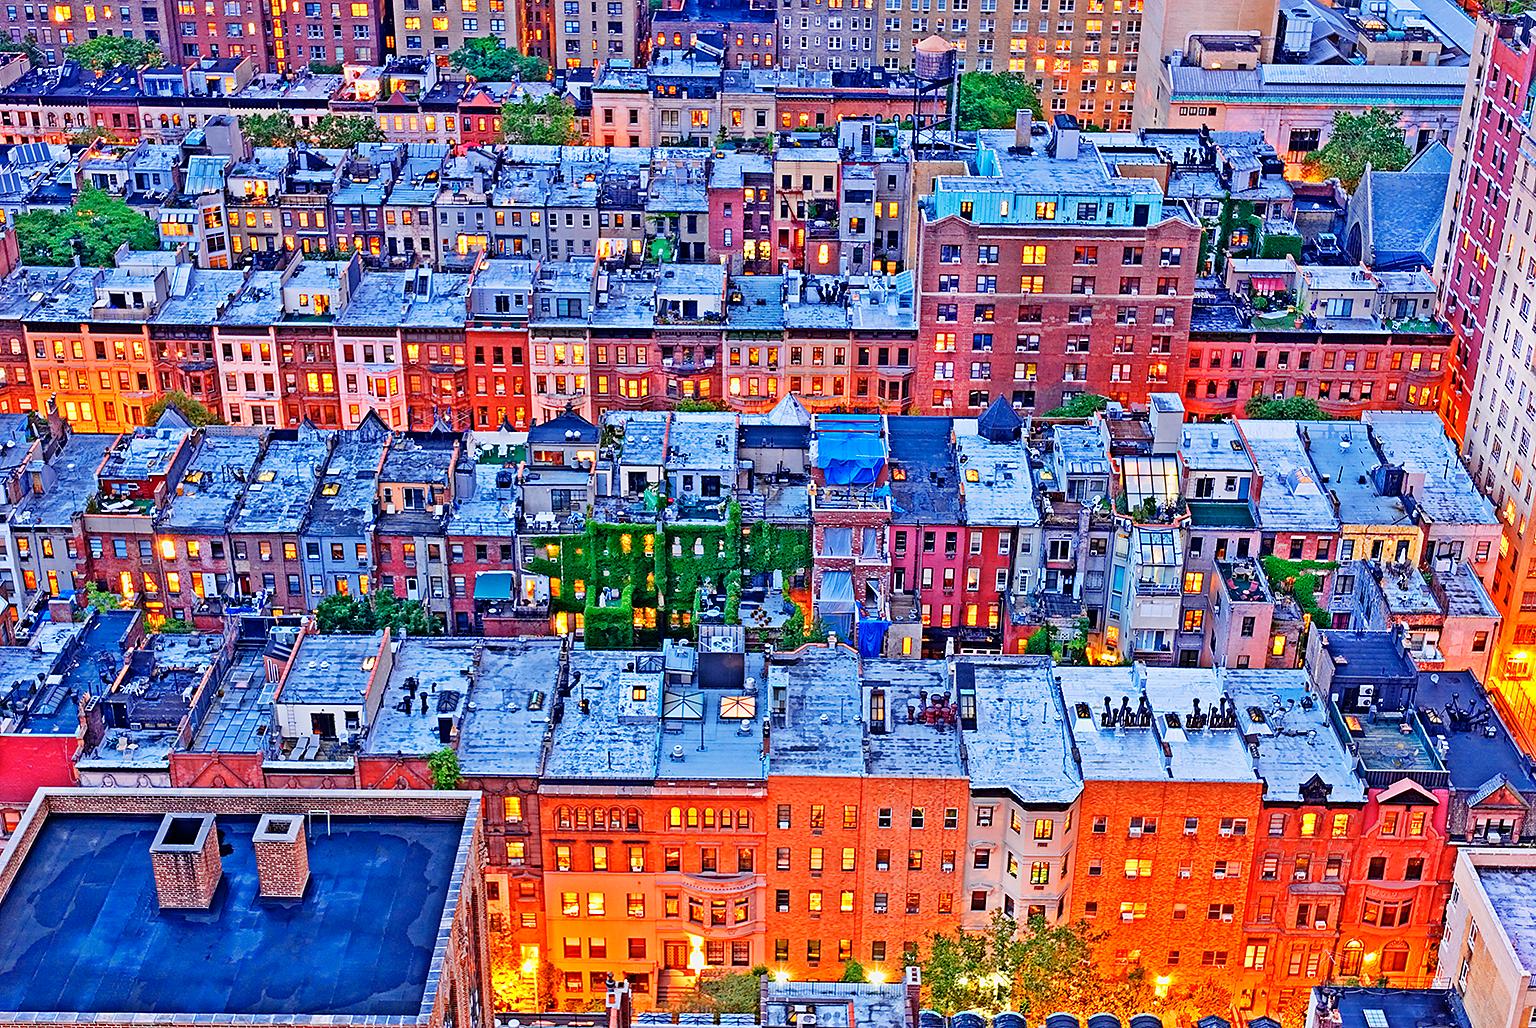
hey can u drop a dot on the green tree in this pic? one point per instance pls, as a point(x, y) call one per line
point(1374, 137)
point(991, 100)
point(1042, 642)
point(102, 599)
point(93, 228)
point(190, 408)
point(1289, 408)
point(275, 129)
point(1036, 969)
point(792, 636)
point(90, 134)
point(26, 46)
point(1083, 405)
point(853, 971)
point(444, 765)
point(547, 121)
point(733, 601)
point(488, 59)
point(106, 53)
point(342, 132)
point(172, 626)
point(699, 406)
point(732, 993)
point(350, 615)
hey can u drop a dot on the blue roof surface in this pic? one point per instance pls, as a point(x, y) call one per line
point(84, 932)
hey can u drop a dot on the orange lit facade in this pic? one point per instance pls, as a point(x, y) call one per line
point(864, 869)
point(663, 883)
point(1160, 868)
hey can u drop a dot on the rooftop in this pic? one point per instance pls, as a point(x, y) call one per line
point(1172, 744)
point(361, 942)
point(330, 669)
point(995, 484)
point(1217, 446)
point(1021, 743)
point(708, 726)
point(1468, 733)
point(73, 482)
point(429, 680)
point(1512, 895)
point(702, 441)
point(925, 479)
point(214, 479)
point(1417, 442)
point(1291, 499)
point(282, 485)
point(819, 733)
point(1282, 718)
point(510, 702)
point(912, 748)
point(92, 661)
point(240, 715)
point(144, 453)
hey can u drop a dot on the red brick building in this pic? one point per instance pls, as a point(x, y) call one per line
point(1037, 292)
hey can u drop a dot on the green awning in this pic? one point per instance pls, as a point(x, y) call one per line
point(494, 585)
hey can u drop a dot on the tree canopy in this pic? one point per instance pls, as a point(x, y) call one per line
point(105, 53)
point(352, 615)
point(1040, 969)
point(276, 129)
point(489, 59)
point(191, 408)
point(342, 132)
point(444, 765)
point(547, 121)
point(1289, 408)
point(732, 993)
point(1374, 137)
point(93, 228)
point(26, 46)
point(332, 131)
point(992, 100)
point(1083, 405)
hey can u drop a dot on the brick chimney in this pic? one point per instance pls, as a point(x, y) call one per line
point(282, 856)
point(620, 1004)
point(186, 861)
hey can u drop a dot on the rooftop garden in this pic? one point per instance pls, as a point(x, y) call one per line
point(1301, 580)
point(632, 584)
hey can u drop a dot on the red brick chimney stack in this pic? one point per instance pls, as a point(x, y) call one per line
point(282, 856)
point(186, 861)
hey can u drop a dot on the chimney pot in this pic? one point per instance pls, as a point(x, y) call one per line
point(282, 856)
point(186, 861)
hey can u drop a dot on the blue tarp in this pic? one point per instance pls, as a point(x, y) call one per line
point(872, 636)
point(850, 458)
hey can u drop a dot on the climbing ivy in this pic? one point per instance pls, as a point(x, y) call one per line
point(611, 627)
point(668, 577)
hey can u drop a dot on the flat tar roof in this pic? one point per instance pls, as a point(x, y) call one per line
point(85, 933)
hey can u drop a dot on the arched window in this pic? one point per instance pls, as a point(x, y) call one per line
point(743, 819)
point(725, 817)
point(583, 817)
point(709, 817)
point(1394, 958)
point(616, 819)
point(693, 817)
point(563, 817)
point(1349, 965)
point(675, 817)
point(632, 819)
